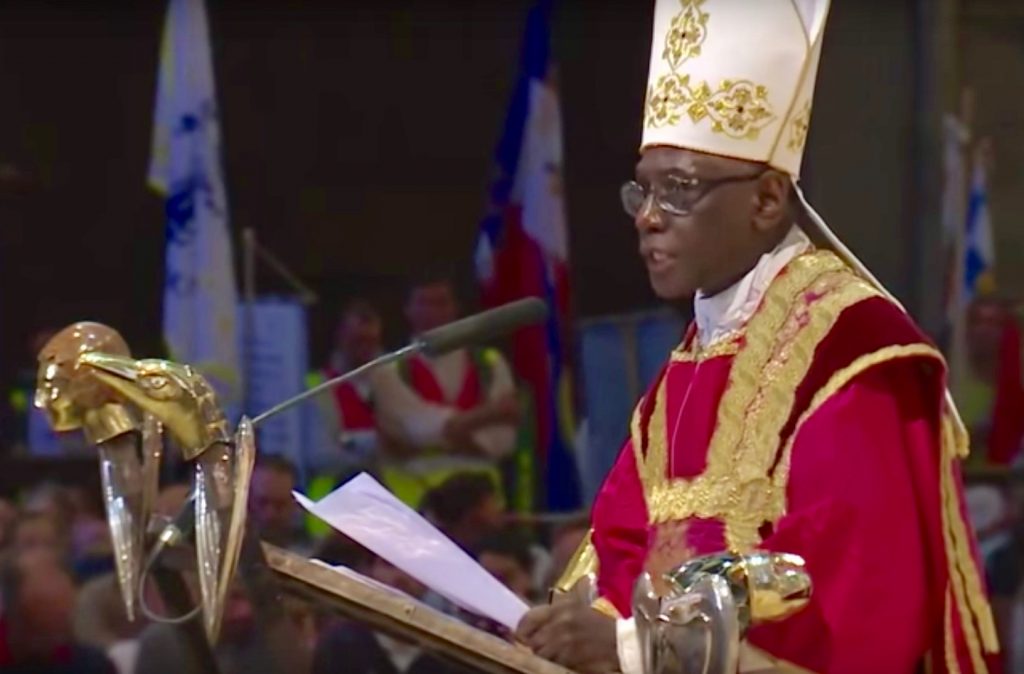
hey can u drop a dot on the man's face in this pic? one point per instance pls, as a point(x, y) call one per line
point(271, 503)
point(704, 249)
point(359, 339)
point(431, 306)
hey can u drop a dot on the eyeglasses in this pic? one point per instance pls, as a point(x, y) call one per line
point(675, 195)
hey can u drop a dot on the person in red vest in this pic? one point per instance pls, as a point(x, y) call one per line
point(450, 414)
point(993, 396)
point(347, 440)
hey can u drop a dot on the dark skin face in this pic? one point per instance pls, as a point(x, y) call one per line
point(723, 236)
point(709, 249)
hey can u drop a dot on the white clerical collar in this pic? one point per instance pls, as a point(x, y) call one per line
point(722, 313)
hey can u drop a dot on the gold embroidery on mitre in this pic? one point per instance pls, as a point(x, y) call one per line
point(799, 127)
point(686, 34)
point(738, 108)
point(800, 309)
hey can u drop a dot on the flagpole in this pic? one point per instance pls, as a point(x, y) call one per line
point(249, 290)
point(958, 342)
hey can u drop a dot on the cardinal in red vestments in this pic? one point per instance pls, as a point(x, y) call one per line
point(803, 412)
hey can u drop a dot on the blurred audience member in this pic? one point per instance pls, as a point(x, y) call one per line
point(337, 549)
point(992, 403)
point(347, 414)
point(245, 646)
point(8, 517)
point(272, 506)
point(565, 541)
point(364, 651)
point(449, 414)
point(100, 621)
point(36, 628)
point(37, 530)
point(507, 556)
point(1005, 573)
point(54, 501)
point(466, 507)
point(990, 514)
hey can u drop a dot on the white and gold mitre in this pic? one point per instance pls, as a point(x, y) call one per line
point(734, 77)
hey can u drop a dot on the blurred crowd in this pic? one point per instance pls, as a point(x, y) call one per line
point(62, 609)
point(449, 436)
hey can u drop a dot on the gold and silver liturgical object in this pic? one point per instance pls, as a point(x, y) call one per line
point(697, 624)
point(87, 379)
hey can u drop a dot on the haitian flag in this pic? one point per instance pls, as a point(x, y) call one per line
point(523, 251)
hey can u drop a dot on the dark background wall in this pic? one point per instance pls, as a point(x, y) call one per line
point(358, 143)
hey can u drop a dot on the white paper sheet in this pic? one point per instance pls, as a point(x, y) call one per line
point(368, 513)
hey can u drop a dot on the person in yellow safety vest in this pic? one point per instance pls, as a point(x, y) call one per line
point(451, 414)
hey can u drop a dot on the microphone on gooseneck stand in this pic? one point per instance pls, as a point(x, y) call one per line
point(472, 330)
point(483, 327)
point(476, 329)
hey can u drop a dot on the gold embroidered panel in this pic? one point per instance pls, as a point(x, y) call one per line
point(737, 108)
point(728, 345)
point(798, 311)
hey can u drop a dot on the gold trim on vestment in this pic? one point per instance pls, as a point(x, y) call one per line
point(952, 660)
point(836, 383)
point(582, 564)
point(798, 311)
point(727, 345)
point(964, 582)
point(602, 605)
point(963, 573)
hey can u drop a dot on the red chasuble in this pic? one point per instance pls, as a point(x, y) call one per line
point(819, 429)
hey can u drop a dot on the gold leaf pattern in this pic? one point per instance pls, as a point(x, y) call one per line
point(739, 109)
point(799, 127)
point(777, 351)
point(686, 34)
point(727, 345)
point(665, 99)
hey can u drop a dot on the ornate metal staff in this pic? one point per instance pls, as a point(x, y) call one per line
point(711, 602)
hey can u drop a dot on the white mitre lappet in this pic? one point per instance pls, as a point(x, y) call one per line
point(735, 78)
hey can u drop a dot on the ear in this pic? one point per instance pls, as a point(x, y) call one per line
point(771, 201)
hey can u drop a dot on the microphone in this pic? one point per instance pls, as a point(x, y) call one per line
point(484, 326)
point(468, 331)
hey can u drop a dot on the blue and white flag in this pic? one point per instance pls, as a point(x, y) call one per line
point(200, 297)
point(979, 249)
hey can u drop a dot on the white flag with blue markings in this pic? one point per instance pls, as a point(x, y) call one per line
point(200, 297)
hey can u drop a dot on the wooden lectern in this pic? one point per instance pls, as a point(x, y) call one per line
point(399, 615)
